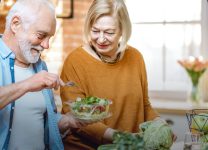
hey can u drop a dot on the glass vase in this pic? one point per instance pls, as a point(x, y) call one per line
point(194, 95)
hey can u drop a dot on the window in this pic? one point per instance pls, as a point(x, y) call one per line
point(165, 31)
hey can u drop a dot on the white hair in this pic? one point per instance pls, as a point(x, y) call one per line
point(115, 8)
point(27, 10)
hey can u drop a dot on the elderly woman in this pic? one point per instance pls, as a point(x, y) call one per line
point(106, 67)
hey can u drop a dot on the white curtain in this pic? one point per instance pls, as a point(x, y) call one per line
point(204, 28)
point(204, 48)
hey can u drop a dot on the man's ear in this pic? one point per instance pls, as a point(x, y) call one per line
point(15, 24)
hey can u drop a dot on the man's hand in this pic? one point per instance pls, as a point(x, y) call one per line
point(37, 82)
point(42, 80)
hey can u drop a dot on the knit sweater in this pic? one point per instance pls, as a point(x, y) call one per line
point(124, 83)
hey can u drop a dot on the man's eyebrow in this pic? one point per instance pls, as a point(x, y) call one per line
point(42, 32)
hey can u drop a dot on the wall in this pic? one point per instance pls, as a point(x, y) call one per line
point(2, 23)
point(67, 37)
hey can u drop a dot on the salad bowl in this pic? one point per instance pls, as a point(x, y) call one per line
point(90, 108)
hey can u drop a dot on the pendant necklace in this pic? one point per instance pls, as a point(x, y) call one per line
point(105, 59)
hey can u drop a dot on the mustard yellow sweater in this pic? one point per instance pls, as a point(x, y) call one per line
point(125, 83)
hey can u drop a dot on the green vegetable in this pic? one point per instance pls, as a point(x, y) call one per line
point(89, 101)
point(128, 141)
point(90, 108)
point(204, 138)
point(145, 125)
point(107, 147)
point(204, 146)
point(200, 122)
point(157, 135)
point(154, 135)
point(125, 141)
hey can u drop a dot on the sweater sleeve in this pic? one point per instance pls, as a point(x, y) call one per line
point(89, 132)
point(70, 73)
point(69, 94)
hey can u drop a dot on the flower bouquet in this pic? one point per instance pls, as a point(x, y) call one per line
point(195, 67)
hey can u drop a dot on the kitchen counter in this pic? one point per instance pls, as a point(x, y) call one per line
point(177, 107)
point(175, 113)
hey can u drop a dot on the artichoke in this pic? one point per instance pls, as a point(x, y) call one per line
point(157, 135)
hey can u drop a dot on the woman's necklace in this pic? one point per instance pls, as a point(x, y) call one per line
point(106, 59)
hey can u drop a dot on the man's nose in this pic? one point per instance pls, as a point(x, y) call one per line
point(45, 43)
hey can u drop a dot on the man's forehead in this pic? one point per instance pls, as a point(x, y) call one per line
point(46, 31)
point(47, 26)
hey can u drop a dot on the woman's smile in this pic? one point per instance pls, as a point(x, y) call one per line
point(102, 46)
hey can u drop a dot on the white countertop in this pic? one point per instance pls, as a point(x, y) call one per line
point(175, 106)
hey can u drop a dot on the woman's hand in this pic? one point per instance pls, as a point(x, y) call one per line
point(68, 121)
point(108, 135)
point(174, 137)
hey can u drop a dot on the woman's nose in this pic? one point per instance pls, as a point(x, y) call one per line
point(101, 37)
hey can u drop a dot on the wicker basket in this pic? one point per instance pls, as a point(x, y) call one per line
point(198, 122)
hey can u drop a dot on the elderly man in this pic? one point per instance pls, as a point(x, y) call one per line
point(28, 117)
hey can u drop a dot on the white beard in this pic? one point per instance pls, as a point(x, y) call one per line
point(26, 47)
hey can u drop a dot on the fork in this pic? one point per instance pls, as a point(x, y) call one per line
point(70, 83)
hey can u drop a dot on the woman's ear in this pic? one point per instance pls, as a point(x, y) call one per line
point(15, 24)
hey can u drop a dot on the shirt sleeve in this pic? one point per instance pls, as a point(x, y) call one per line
point(1, 75)
point(58, 116)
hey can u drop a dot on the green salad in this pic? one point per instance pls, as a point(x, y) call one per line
point(90, 107)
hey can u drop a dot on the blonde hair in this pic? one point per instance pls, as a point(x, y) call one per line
point(115, 8)
point(28, 10)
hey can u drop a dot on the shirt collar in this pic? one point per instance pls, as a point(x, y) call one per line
point(5, 51)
